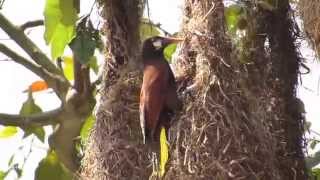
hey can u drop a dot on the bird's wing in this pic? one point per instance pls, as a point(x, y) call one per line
point(152, 98)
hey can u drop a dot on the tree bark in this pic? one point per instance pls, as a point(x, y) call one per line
point(288, 120)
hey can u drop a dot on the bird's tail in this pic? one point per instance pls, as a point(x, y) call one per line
point(143, 122)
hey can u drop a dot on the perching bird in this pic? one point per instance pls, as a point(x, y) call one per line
point(158, 98)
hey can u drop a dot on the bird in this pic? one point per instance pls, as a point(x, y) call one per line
point(158, 95)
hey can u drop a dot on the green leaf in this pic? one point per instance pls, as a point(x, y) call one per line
point(232, 16)
point(59, 18)
point(8, 131)
point(83, 46)
point(315, 173)
point(168, 51)
point(93, 63)
point(37, 131)
point(50, 168)
point(62, 37)
point(313, 144)
point(86, 127)
point(3, 174)
point(52, 16)
point(29, 107)
point(147, 30)
point(68, 67)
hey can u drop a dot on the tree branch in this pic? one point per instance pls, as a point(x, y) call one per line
point(31, 24)
point(35, 68)
point(61, 83)
point(28, 46)
point(41, 119)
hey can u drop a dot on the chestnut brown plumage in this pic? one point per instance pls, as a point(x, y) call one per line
point(158, 97)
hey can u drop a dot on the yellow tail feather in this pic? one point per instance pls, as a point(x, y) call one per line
point(164, 151)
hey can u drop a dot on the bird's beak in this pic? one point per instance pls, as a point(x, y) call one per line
point(171, 40)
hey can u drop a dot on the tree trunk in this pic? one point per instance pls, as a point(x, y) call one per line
point(239, 121)
point(287, 118)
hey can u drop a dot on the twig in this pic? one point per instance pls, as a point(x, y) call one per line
point(222, 92)
point(31, 24)
point(1, 3)
point(315, 132)
point(5, 59)
point(40, 119)
point(94, 3)
point(23, 61)
point(148, 9)
point(15, 33)
point(25, 158)
point(209, 12)
point(35, 68)
point(312, 139)
point(27, 45)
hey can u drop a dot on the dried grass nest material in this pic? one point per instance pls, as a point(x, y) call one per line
point(310, 14)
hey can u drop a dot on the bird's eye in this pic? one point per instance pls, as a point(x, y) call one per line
point(157, 43)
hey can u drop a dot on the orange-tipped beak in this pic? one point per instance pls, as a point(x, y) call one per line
point(170, 40)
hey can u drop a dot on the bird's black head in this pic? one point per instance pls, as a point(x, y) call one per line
point(153, 47)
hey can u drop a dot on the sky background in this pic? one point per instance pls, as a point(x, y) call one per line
point(15, 78)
